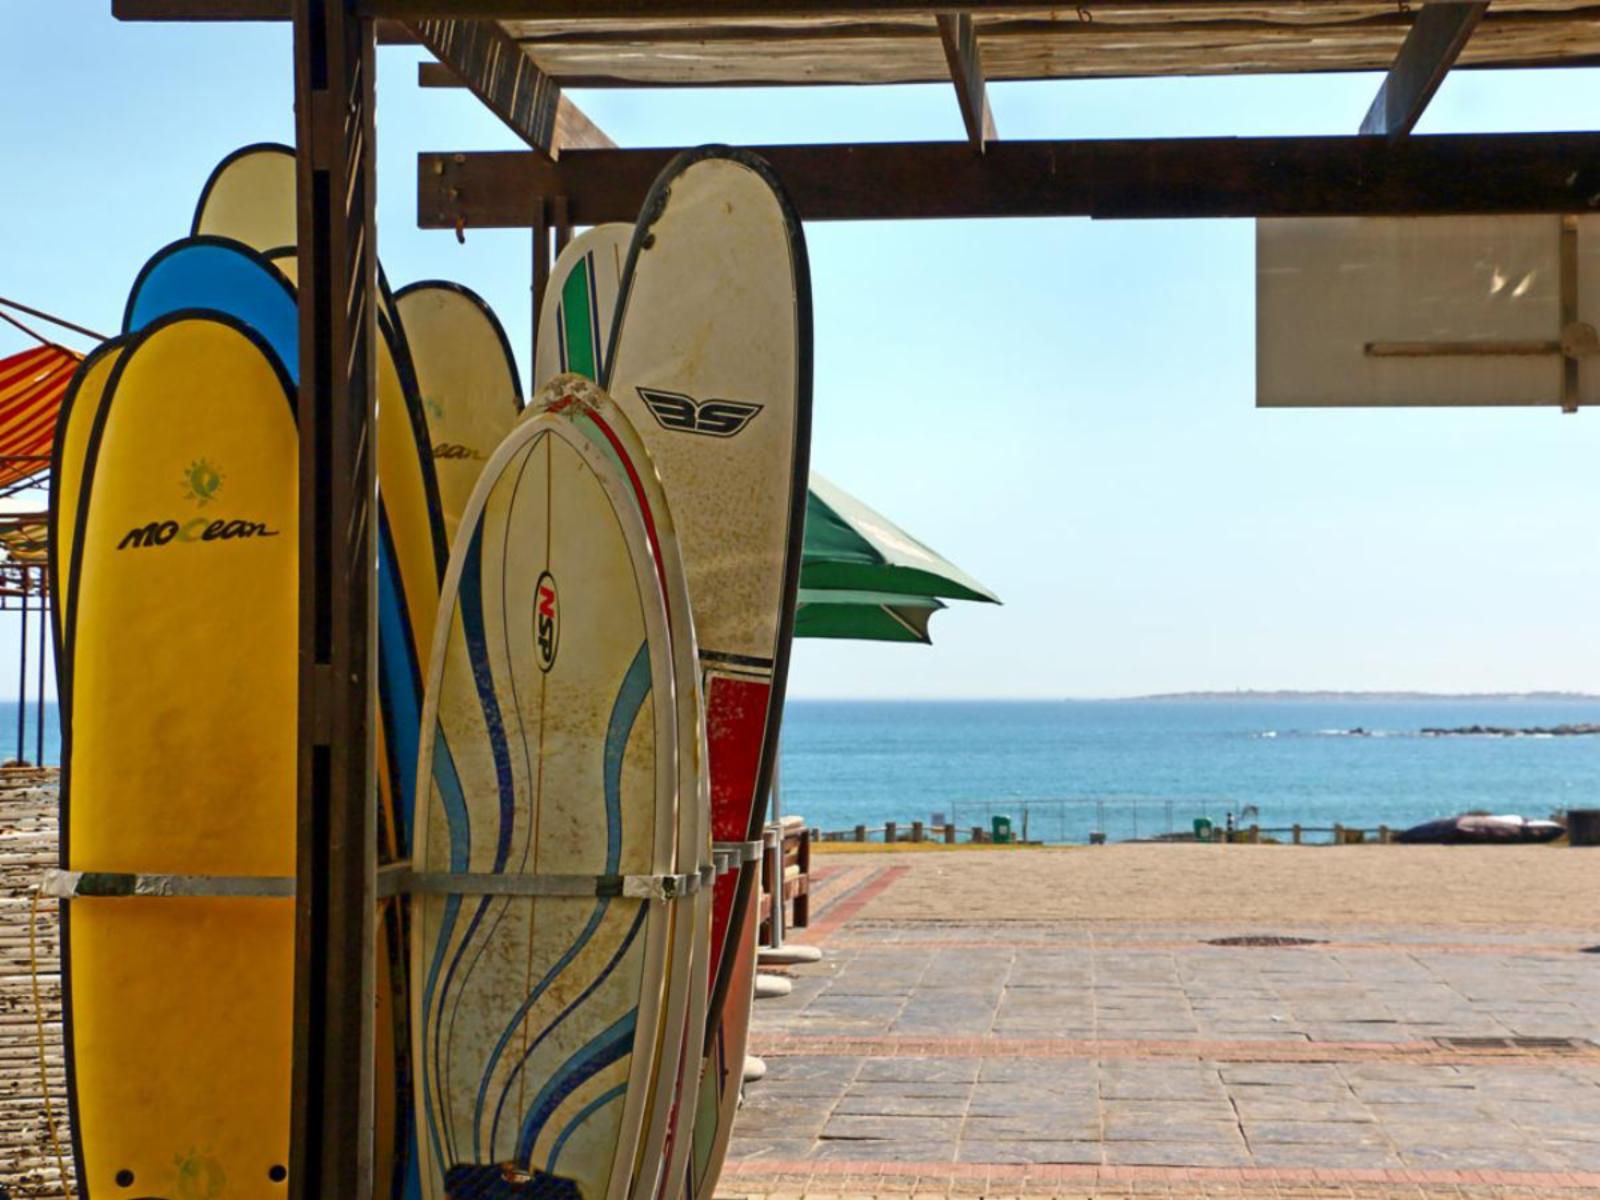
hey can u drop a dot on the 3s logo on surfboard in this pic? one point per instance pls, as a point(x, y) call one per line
point(547, 620)
point(716, 418)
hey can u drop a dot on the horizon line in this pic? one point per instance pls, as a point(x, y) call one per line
point(1218, 695)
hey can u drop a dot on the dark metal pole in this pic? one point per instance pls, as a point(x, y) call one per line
point(331, 1128)
point(44, 638)
point(561, 218)
point(22, 674)
point(540, 274)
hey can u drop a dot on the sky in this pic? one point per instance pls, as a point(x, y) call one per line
point(1065, 408)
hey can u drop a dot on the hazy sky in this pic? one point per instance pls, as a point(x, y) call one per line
point(1065, 408)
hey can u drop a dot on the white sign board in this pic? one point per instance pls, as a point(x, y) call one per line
point(1427, 311)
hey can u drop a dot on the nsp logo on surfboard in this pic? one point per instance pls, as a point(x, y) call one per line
point(547, 620)
point(715, 418)
point(201, 483)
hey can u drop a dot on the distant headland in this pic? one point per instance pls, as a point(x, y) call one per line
point(1357, 697)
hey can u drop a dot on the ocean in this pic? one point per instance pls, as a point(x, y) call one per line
point(1140, 768)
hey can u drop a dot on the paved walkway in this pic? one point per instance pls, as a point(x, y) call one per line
point(955, 1053)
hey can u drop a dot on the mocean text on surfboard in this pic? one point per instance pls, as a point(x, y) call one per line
point(161, 533)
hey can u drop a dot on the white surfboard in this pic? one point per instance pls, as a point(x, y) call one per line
point(466, 380)
point(547, 831)
point(710, 354)
point(675, 1087)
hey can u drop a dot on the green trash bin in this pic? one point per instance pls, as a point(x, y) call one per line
point(1002, 829)
point(1202, 829)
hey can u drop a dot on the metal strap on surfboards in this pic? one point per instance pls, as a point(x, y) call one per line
point(633, 887)
point(744, 851)
point(68, 885)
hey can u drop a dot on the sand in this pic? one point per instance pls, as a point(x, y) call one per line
point(1513, 887)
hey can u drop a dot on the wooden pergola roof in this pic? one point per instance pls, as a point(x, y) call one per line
point(1091, 40)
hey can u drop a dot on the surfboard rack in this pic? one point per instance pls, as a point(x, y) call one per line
point(634, 887)
point(68, 885)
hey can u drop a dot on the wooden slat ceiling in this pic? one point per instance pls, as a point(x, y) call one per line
point(1088, 41)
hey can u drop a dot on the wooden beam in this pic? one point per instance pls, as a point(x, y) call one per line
point(265, 10)
point(334, 999)
point(577, 10)
point(574, 130)
point(200, 10)
point(498, 73)
point(1168, 178)
point(1437, 37)
point(966, 72)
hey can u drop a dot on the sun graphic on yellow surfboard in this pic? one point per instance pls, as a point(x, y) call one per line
point(201, 482)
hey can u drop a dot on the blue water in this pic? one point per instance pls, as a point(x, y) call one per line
point(1138, 768)
point(30, 733)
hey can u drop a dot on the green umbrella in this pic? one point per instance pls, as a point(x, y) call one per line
point(864, 616)
point(850, 547)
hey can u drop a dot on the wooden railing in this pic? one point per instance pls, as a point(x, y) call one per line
point(917, 831)
point(785, 879)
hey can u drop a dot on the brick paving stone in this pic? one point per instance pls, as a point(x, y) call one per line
point(1176, 1153)
point(990, 1101)
point(1315, 1133)
point(1142, 1127)
point(857, 1102)
point(912, 1132)
point(1324, 1155)
point(1160, 1081)
point(912, 1069)
point(1061, 1126)
point(1267, 1104)
point(1033, 1151)
point(943, 1058)
point(1522, 1158)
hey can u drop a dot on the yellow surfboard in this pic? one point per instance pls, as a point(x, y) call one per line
point(467, 382)
point(79, 409)
point(251, 197)
point(412, 552)
point(178, 831)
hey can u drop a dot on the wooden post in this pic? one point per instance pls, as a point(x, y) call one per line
point(949, 835)
point(1297, 833)
point(916, 831)
point(888, 832)
point(331, 1125)
point(861, 833)
point(1255, 835)
point(802, 900)
point(772, 887)
point(1383, 834)
point(22, 676)
point(977, 833)
point(1338, 835)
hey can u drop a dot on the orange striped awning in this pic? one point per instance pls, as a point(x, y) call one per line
point(32, 383)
